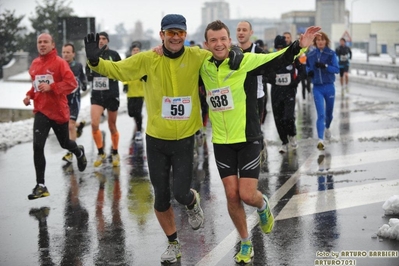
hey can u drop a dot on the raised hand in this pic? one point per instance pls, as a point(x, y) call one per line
point(235, 55)
point(306, 39)
point(93, 51)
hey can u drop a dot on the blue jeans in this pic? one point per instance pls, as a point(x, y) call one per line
point(324, 98)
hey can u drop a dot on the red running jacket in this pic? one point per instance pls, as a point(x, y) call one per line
point(54, 70)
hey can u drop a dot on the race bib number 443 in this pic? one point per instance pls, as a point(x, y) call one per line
point(176, 108)
point(220, 99)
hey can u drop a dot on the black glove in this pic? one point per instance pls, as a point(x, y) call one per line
point(311, 74)
point(92, 51)
point(320, 65)
point(125, 87)
point(235, 55)
point(84, 86)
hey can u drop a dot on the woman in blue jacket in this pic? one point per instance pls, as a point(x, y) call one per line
point(321, 66)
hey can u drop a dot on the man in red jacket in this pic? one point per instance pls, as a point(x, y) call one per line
point(52, 81)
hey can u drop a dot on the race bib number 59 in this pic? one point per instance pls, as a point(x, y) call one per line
point(176, 108)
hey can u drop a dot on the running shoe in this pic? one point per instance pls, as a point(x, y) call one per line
point(115, 160)
point(327, 134)
point(293, 143)
point(195, 215)
point(68, 157)
point(138, 137)
point(266, 218)
point(172, 252)
point(199, 138)
point(38, 192)
point(100, 159)
point(79, 129)
point(283, 149)
point(82, 161)
point(320, 145)
point(246, 253)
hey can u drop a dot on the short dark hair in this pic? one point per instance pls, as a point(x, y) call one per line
point(135, 44)
point(70, 44)
point(216, 25)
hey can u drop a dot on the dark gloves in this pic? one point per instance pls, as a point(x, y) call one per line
point(84, 86)
point(125, 88)
point(311, 74)
point(235, 55)
point(320, 65)
point(92, 51)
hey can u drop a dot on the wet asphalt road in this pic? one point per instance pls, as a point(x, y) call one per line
point(105, 216)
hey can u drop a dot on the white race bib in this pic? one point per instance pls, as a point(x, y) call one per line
point(176, 108)
point(100, 83)
point(343, 58)
point(42, 79)
point(283, 79)
point(220, 99)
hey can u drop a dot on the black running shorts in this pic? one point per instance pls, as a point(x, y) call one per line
point(242, 159)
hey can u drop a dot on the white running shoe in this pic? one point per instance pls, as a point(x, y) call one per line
point(138, 137)
point(172, 253)
point(283, 149)
point(293, 143)
point(195, 215)
point(327, 134)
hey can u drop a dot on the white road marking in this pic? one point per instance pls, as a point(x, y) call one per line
point(373, 193)
point(336, 199)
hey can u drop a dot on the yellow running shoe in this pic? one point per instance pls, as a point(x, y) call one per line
point(68, 157)
point(246, 253)
point(99, 161)
point(266, 218)
point(115, 160)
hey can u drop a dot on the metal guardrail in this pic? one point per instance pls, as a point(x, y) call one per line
point(375, 68)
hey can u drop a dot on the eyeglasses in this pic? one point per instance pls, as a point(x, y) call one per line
point(172, 33)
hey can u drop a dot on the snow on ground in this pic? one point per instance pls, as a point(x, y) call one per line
point(390, 230)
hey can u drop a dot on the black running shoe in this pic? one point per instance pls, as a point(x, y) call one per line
point(82, 162)
point(79, 129)
point(38, 192)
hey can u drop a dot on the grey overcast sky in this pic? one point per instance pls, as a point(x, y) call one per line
point(150, 12)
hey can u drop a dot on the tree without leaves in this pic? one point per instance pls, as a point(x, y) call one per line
point(9, 31)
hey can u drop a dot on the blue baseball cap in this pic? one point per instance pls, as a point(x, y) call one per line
point(173, 21)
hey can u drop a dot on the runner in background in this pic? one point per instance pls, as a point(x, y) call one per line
point(344, 54)
point(68, 54)
point(104, 96)
point(135, 97)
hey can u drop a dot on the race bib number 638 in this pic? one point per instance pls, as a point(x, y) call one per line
point(220, 99)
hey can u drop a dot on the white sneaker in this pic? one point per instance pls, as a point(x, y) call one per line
point(283, 149)
point(195, 215)
point(138, 137)
point(327, 134)
point(199, 138)
point(292, 140)
point(172, 252)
